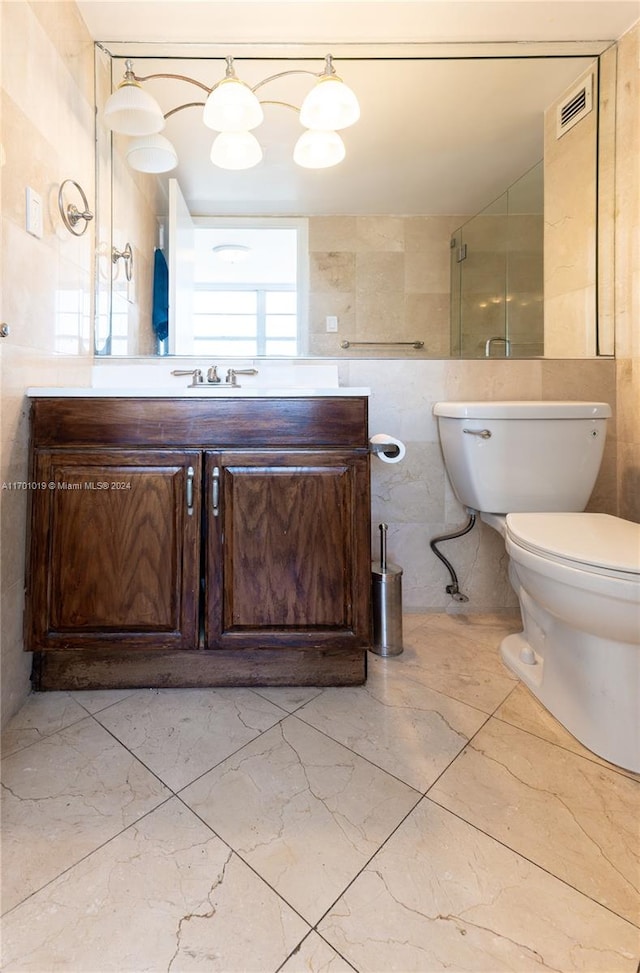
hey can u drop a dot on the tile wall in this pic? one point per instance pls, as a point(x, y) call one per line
point(384, 277)
point(47, 283)
point(627, 277)
point(570, 192)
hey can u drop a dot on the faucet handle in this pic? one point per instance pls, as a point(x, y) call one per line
point(196, 374)
point(232, 372)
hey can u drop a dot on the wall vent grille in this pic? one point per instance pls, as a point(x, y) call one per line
point(575, 106)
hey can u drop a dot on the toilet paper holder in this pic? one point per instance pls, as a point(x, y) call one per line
point(389, 449)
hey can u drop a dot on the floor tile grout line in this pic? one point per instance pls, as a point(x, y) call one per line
point(299, 946)
point(551, 743)
point(493, 837)
point(519, 854)
point(59, 729)
point(46, 736)
point(313, 926)
point(368, 760)
point(232, 754)
point(366, 864)
point(590, 756)
point(455, 699)
point(103, 844)
point(241, 858)
point(256, 690)
point(204, 772)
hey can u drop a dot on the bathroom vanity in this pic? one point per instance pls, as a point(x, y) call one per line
point(198, 541)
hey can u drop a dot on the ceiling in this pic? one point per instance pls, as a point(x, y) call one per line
point(349, 21)
point(435, 136)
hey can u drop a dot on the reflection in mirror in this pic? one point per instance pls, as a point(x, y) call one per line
point(245, 290)
point(444, 148)
point(497, 276)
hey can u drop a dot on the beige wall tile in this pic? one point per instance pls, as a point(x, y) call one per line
point(47, 115)
point(627, 282)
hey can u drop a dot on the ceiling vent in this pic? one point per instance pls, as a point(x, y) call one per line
point(575, 106)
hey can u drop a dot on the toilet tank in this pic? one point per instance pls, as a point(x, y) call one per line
point(512, 457)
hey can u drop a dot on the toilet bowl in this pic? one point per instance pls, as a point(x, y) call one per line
point(528, 469)
point(577, 577)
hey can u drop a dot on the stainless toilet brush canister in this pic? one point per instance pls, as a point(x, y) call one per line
point(387, 602)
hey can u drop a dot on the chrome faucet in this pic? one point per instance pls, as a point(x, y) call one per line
point(212, 375)
point(231, 375)
point(196, 375)
point(489, 342)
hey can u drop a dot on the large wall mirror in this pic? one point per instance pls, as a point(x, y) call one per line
point(461, 222)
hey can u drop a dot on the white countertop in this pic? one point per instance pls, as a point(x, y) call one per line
point(199, 392)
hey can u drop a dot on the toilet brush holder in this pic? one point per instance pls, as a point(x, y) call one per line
point(386, 590)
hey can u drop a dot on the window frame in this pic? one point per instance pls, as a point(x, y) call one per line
point(301, 226)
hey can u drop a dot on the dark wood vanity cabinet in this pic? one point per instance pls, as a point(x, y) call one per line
point(115, 543)
point(282, 548)
point(198, 542)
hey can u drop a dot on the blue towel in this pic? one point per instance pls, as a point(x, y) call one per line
point(160, 312)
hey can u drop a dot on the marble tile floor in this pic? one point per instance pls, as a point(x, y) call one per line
point(435, 818)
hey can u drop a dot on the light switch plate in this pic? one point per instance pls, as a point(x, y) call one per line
point(331, 322)
point(33, 213)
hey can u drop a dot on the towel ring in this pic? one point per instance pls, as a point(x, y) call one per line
point(70, 213)
point(127, 256)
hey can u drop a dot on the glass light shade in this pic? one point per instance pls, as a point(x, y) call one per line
point(151, 153)
point(132, 111)
point(236, 150)
point(232, 107)
point(318, 150)
point(330, 105)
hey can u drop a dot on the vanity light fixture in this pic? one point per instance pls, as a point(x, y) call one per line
point(233, 109)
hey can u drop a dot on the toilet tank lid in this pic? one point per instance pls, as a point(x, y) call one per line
point(523, 409)
point(585, 538)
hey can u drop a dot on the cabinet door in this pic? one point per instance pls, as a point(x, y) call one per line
point(114, 550)
point(288, 556)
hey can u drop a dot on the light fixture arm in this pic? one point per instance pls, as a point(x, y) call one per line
point(188, 104)
point(287, 74)
point(175, 77)
point(283, 104)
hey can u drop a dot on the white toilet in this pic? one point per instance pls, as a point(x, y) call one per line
point(529, 468)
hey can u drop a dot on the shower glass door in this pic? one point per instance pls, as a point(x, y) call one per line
point(496, 276)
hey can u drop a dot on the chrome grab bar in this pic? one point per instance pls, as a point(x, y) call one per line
point(483, 433)
point(489, 342)
point(412, 344)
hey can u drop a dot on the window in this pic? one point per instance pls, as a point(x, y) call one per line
point(249, 288)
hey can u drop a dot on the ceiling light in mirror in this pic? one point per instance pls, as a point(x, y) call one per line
point(236, 150)
point(231, 253)
point(318, 150)
point(330, 104)
point(151, 153)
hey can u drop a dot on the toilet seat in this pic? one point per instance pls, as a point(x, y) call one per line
point(598, 544)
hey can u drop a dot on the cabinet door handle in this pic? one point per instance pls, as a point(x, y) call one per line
point(215, 491)
point(190, 476)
